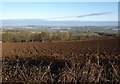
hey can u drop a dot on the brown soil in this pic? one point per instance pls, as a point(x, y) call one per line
point(81, 61)
point(59, 49)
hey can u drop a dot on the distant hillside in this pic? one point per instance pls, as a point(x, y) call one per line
point(39, 22)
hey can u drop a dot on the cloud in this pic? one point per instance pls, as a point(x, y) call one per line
point(80, 16)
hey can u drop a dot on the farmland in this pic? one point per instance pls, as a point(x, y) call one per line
point(59, 43)
point(80, 61)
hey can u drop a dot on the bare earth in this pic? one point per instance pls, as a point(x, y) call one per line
point(59, 49)
point(51, 62)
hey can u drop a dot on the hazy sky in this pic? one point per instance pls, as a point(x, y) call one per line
point(46, 10)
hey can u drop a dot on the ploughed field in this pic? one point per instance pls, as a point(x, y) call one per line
point(60, 49)
point(80, 61)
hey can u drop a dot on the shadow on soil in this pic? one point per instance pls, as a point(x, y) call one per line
point(56, 65)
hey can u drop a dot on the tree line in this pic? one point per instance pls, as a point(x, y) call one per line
point(43, 36)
